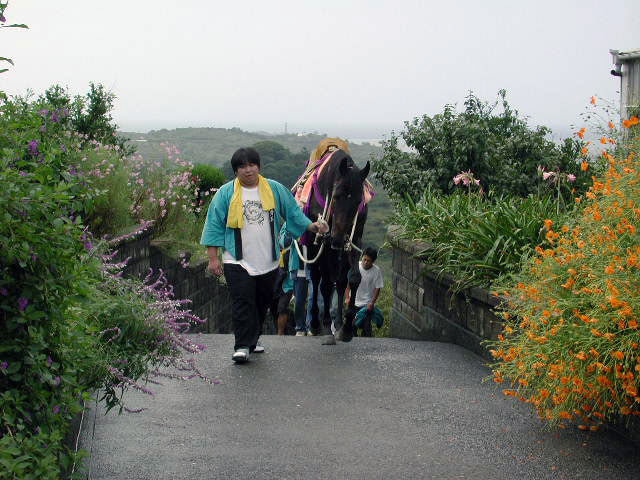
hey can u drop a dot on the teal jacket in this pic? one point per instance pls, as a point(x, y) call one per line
point(216, 233)
point(285, 239)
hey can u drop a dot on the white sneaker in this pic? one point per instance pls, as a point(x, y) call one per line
point(241, 355)
point(258, 348)
point(300, 334)
point(310, 333)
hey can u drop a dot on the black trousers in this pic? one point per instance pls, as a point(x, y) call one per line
point(250, 297)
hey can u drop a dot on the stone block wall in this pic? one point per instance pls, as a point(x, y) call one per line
point(424, 309)
point(209, 296)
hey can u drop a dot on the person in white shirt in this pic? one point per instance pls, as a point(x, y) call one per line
point(244, 220)
point(370, 285)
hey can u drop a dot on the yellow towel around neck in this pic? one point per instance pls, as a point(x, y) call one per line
point(234, 219)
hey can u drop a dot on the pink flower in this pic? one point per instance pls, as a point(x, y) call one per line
point(571, 177)
point(546, 175)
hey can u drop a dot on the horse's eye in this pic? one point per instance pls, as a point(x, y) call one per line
point(349, 196)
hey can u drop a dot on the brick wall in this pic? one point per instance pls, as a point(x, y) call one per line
point(209, 295)
point(424, 309)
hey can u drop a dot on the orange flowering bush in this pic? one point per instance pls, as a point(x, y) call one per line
point(571, 342)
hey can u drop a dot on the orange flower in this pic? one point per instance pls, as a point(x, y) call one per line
point(611, 125)
point(548, 223)
point(581, 356)
point(618, 355)
point(581, 132)
point(634, 121)
point(603, 141)
point(584, 150)
point(593, 100)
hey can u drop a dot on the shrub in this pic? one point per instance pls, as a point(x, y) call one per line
point(209, 177)
point(165, 191)
point(472, 238)
point(499, 147)
point(68, 323)
point(570, 345)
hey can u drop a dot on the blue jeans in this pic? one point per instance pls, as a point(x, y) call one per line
point(300, 315)
point(332, 310)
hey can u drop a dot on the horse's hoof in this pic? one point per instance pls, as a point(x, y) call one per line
point(343, 335)
point(329, 340)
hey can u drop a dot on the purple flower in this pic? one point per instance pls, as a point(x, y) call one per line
point(22, 173)
point(4, 365)
point(22, 303)
point(63, 147)
point(4, 292)
point(87, 245)
point(56, 381)
point(49, 360)
point(43, 113)
point(54, 117)
point(73, 171)
point(2, 18)
point(33, 147)
point(56, 409)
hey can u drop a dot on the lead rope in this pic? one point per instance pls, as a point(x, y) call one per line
point(321, 216)
point(350, 243)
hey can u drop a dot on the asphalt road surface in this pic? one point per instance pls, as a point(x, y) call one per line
point(370, 409)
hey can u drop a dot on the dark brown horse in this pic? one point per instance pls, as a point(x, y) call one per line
point(338, 191)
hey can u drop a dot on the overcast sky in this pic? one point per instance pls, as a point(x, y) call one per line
point(350, 68)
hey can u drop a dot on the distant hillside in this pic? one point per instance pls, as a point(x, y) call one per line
point(284, 162)
point(215, 146)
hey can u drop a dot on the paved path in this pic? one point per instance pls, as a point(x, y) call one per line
point(371, 409)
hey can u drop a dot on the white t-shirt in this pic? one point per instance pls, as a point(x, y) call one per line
point(257, 255)
point(371, 279)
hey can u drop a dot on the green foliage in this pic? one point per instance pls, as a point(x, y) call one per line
point(209, 177)
point(89, 115)
point(67, 324)
point(384, 303)
point(474, 239)
point(108, 176)
point(571, 337)
point(499, 148)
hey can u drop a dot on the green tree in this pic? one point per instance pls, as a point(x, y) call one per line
point(496, 144)
point(89, 115)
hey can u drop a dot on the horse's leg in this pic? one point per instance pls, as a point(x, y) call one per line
point(326, 290)
point(353, 279)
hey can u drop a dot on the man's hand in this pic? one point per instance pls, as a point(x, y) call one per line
point(215, 266)
point(319, 227)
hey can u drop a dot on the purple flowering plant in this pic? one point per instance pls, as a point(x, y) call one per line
point(93, 329)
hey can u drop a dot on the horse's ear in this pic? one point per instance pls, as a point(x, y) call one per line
point(344, 166)
point(365, 171)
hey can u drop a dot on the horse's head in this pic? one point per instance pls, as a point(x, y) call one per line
point(346, 182)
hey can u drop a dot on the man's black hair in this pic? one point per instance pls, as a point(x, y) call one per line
point(244, 156)
point(370, 252)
